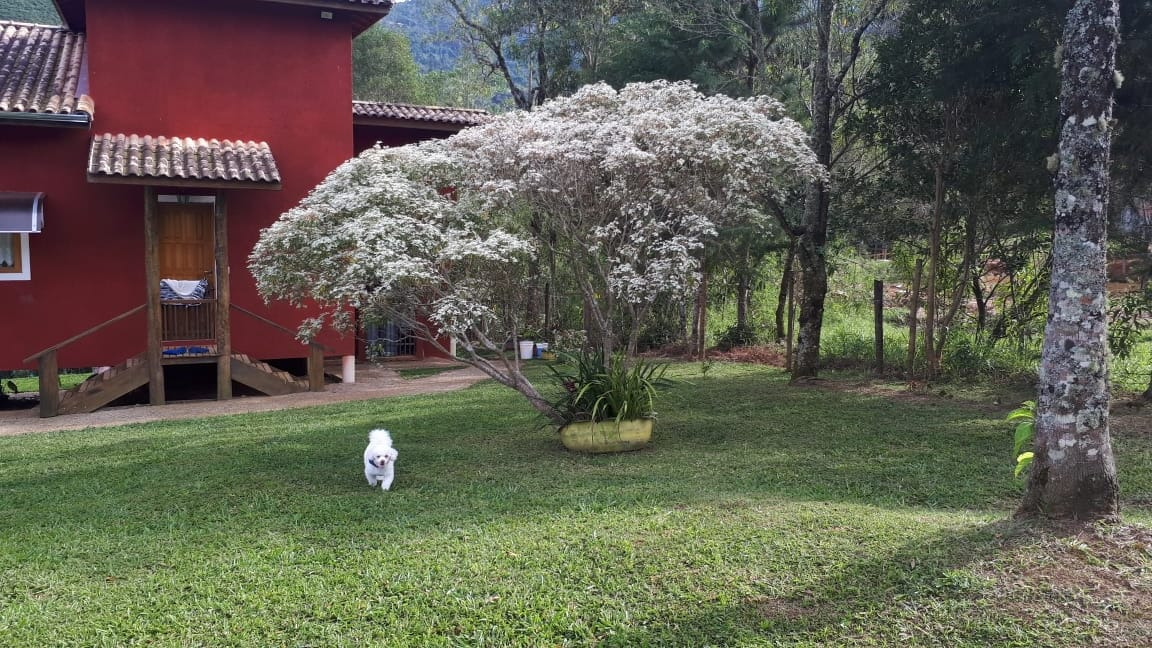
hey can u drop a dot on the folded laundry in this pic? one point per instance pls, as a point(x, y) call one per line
point(183, 288)
point(198, 350)
point(175, 351)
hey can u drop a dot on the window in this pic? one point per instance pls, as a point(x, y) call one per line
point(14, 257)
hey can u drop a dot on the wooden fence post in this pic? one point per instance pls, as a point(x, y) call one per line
point(49, 371)
point(315, 368)
point(878, 312)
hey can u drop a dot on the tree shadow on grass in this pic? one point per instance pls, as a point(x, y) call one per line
point(932, 591)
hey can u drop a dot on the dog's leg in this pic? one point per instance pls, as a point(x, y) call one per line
point(371, 479)
point(389, 474)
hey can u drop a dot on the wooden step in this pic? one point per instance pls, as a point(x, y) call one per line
point(263, 377)
point(103, 388)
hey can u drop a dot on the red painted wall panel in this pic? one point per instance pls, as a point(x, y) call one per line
point(209, 68)
point(87, 264)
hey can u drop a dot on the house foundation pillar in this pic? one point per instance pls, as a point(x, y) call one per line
point(348, 369)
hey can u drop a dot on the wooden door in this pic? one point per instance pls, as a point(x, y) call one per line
point(186, 242)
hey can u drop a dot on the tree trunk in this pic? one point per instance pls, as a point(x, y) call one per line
point(701, 335)
point(755, 32)
point(1073, 475)
point(960, 289)
point(914, 317)
point(811, 245)
point(743, 293)
point(981, 303)
point(785, 290)
point(930, 357)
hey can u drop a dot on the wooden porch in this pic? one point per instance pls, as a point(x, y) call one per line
point(178, 332)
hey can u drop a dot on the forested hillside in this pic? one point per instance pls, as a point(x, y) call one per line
point(429, 26)
point(37, 11)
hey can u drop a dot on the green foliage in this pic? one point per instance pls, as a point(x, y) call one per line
point(595, 390)
point(1025, 418)
point(34, 11)
point(737, 336)
point(383, 69)
point(653, 45)
point(1128, 319)
point(706, 365)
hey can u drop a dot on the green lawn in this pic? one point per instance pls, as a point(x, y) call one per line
point(763, 515)
point(423, 372)
point(32, 384)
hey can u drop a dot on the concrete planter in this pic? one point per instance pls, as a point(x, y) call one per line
point(606, 436)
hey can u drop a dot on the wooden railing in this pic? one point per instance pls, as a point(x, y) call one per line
point(315, 350)
point(48, 367)
point(190, 328)
point(188, 319)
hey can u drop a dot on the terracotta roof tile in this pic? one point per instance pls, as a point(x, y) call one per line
point(375, 110)
point(42, 70)
point(156, 160)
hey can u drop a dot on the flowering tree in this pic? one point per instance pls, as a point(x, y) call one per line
point(625, 185)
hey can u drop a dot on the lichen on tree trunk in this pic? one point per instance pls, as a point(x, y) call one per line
point(1073, 475)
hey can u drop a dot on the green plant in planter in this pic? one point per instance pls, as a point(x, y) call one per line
point(606, 406)
point(597, 390)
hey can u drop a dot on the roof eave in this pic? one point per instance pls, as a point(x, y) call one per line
point(73, 120)
point(340, 5)
point(409, 123)
point(72, 13)
point(181, 182)
point(360, 16)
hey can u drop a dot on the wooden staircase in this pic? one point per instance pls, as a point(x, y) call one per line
point(265, 378)
point(103, 388)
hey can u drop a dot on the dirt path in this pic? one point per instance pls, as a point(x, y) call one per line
point(371, 382)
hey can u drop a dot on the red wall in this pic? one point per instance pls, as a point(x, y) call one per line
point(366, 136)
point(80, 276)
point(204, 68)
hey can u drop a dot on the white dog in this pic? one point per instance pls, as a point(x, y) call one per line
point(380, 459)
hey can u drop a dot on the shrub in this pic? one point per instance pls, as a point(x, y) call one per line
point(595, 390)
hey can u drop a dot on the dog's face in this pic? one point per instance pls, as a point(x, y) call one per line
point(380, 460)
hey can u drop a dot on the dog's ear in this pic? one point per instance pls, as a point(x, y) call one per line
point(393, 453)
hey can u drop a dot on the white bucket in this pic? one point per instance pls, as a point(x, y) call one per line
point(526, 349)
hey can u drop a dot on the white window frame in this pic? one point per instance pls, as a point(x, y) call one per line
point(25, 273)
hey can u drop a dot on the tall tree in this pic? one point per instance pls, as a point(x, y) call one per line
point(963, 91)
point(1073, 474)
point(539, 47)
point(829, 105)
point(383, 69)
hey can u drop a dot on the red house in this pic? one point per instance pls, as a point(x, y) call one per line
point(142, 149)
